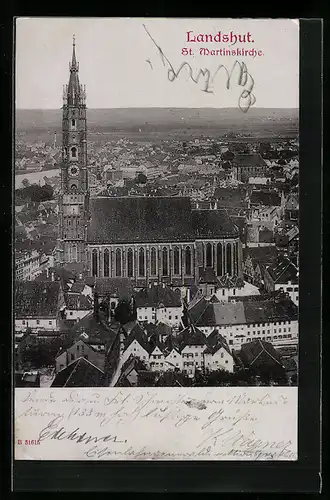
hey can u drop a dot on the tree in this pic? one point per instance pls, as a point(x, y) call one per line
point(141, 178)
point(125, 311)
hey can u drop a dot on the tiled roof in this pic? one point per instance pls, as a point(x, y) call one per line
point(140, 219)
point(78, 302)
point(137, 333)
point(230, 282)
point(36, 299)
point(283, 272)
point(216, 342)
point(259, 352)
point(249, 160)
point(213, 224)
point(227, 197)
point(207, 275)
point(77, 288)
point(266, 198)
point(155, 295)
point(115, 287)
point(94, 328)
point(265, 254)
point(214, 300)
point(190, 336)
point(265, 311)
point(292, 203)
point(79, 373)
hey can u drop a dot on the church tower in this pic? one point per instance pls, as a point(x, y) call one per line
point(74, 194)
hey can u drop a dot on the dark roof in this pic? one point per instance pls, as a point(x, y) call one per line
point(36, 299)
point(190, 336)
point(265, 311)
point(266, 198)
point(94, 327)
point(60, 273)
point(140, 219)
point(249, 160)
point(216, 342)
point(115, 287)
point(266, 254)
point(213, 223)
point(214, 299)
point(137, 333)
point(283, 272)
point(77, 288)
point(78, 302)
point(230, 282)
point(154, 295)
point(258, 352)
point(207, 275)
point(228, 197)
point(292, 202)
point(79, 373)
point(158, 329)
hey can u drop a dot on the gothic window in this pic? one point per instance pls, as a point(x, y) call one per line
point(234, 260)
point(74, 152)
point(141, 262)
point(176, 260)
point(73, 188)
point(165, 262)
point(94, 263)
point(106, 261)
point(74, 254)
point(118, 262)
point(219, 259)
point(153, 257)
point(208, 255)
point(130, 263)
point(188, 260)
point(228, 254)
point(73, 122)
point(65, 152)
point(236, 246)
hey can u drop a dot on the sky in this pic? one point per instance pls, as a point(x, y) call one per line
point(121, 65)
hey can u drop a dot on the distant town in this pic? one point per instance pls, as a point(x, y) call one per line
point(147, 262)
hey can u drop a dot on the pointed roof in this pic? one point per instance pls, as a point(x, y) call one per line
point(79, 373)
point(74, 87)
point(191, 336)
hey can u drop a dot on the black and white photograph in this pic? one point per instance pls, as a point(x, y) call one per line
point(156, 203)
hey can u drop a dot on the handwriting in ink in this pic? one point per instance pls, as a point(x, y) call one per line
point(244, 78)
point(54, 431)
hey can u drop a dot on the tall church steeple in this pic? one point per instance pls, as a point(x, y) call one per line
point(74, 195)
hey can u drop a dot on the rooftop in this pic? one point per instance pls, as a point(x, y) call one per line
point(36, 299)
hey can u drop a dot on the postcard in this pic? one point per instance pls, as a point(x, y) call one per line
point(156, 211)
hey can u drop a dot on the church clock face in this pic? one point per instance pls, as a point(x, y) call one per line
point(73, 170)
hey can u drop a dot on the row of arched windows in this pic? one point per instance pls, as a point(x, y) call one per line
point(164, 257)
point(226, 256)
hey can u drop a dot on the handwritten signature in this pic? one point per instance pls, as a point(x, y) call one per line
point(244, 78)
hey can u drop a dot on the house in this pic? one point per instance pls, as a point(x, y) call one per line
point(78, 349)
point(259, 235)
point(262, 359)
point(94, 330)
point(217, 356)
point(292, 207)
point(130, 372)
point(159, 303)
point(191, 343)
point(136, 343)
point(79, 373)
point(111, 290)
point(283, 276)
point(27, 265)
point(273, 319)
point(77, 306)
point(264, 198)
point(38, 305)
point(255, 260)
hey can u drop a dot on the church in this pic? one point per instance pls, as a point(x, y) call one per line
point(147, 239)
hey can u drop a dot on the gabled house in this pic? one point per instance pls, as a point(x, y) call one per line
point(283, 276)
point(38, 305)
point(217, 355)
point(79, 373)
point(159, 303)
point(78, 349)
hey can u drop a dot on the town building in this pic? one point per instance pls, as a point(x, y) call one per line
point(273, 319)
point(248, 165)
point(38, 305)
point(27, 265)
point(159, 303)
point(283, 276)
